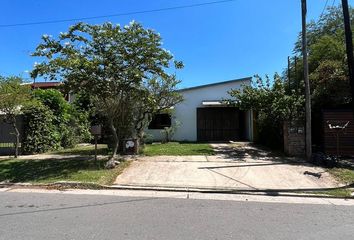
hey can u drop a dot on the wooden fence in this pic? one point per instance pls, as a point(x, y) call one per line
point(345, 137)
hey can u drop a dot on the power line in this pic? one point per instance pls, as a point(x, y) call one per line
point(334, 1)
point(114, 15)
point(324, 9)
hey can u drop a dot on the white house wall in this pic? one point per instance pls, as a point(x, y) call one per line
point(186, 112)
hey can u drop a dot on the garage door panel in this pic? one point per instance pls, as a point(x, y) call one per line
point(218, 124)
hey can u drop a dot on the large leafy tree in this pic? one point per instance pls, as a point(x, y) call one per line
point(327, 62)
point(123, 69)
point(328, 69)
point(13, 96)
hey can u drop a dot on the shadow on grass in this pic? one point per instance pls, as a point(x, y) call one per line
point(84, 150)
point(41, 170)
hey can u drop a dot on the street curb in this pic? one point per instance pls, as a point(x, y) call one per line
point(63, 185)
point(264, 192)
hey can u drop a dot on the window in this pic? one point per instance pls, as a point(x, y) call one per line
point(160, 121)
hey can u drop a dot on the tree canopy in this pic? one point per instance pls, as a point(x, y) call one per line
point(13, 96)
point(122, 69)
point(327, 62)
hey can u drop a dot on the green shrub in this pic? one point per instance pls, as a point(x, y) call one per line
point(70, 122)
point(75, 129)
point(40, 133)
point(56, 102)
point(270, 132)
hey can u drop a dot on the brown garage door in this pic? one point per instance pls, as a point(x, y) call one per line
point(218, 124)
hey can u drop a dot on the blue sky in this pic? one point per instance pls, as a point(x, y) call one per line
point(216, 42)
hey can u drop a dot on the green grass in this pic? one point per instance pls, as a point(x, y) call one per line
point(344, 175)
point(86, 150)
point(178, 149)
point(339, 192)
point(80, 169)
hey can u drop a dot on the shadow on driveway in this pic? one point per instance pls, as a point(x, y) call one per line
point(243, 151)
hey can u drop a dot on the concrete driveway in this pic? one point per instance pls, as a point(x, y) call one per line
point(240, 166)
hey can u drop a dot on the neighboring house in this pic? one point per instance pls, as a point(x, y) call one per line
point(45, 85)
point(203, 116)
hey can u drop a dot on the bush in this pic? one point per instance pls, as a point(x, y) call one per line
point(75, 129)
point(272, 105)
point(70, 122)
point(40, 133)
point(270, 132)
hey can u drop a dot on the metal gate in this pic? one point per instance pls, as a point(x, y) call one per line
point(7, 137)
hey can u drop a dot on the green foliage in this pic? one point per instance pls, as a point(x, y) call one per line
point(269, 98)
point(272, 107)
point(71, 123)
point(76, 129)
point(330, 24)
point(40, 135)
point(13, 95)
point(328, 70)
point(123, 69)
point(330, 85)
point(168, 132)
point(55, 101)
point(327, 62)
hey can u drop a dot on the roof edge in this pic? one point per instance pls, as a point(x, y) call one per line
point(215, 84)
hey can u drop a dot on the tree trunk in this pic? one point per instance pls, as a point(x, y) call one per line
point(17, 134)
point(112, 162)
point(115, 139)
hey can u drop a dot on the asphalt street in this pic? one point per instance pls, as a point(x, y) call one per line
point(75, 217)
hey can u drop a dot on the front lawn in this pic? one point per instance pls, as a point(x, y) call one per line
point(79, 169)
point(345, 175)
point(178, 149)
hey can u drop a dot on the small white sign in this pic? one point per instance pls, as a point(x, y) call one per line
point(129, 144)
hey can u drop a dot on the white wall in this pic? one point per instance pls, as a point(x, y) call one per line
point(186, 112)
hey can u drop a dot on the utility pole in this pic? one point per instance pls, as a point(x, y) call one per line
point(307, 83)
point(296, 79)
point(289, 75)
point(349, 46)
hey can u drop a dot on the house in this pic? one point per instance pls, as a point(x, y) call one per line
point(45, 85)
point(204, 117)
